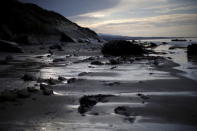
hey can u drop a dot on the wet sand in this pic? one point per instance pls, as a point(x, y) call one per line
point(150, 98)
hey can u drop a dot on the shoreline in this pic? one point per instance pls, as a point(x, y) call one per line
point(165, 103)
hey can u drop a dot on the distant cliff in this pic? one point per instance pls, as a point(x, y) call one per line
point(29, 24)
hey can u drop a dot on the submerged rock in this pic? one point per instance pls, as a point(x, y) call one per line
point(122, 48)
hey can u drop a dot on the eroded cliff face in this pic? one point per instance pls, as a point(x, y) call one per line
point(29, 24)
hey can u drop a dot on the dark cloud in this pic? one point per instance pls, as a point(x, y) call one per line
point(74, 7)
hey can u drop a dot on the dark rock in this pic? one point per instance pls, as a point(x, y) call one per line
point(52, 81)
point(192, 49)
point(9, 57)
point(152, 45)
point(32, 89)
point(88, 102)
point(115, 61)
point(66, 38)
point(6, 46)
point(60, 78)
point(123, 110)
point(164, 43)
point(23, 93)
point(29, 77)
point(97, 63)
point(57, 46)
point(59, 59)
point(50, 52)
point(47, 91)
point(43, 86)
point(122, 48)
point(82, 73)
point(7, 96)
point(112, 83)
point(71, 80)
point(142, 96)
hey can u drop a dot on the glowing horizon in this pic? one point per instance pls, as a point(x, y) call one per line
point(130, 17)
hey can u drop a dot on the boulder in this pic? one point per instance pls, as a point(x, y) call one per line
point(47, 91)
point(29, 77)
point(192, 49)
point(60, 78)
point(97, 63)
point(7, 46)
point(122, 48)
point(71, 80)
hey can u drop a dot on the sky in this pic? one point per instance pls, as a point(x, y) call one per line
point(129, 17)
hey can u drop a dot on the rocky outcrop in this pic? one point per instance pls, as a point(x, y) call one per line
point(122, 48)
point(27, 23)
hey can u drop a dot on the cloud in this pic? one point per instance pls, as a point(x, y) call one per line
point(130, 17)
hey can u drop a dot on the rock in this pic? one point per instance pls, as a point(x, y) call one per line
point(9, 57)
point(112, 83)
point(60, 78)
point(97, 63)
point(50, 52)
point(71, 80)
point(6, 46)
point(113, 67)
point(47, 91)
point(142, 96)
point(52, 81)
point(152, 45)
point(164, 43)
point(7, 96)
point(59, 59)
point(43, 86)
point(192, 49)
point(29, 77)
point(88, 102)
point(23, 93)
point(122, 48)
point(115, 61)
point(82, 73)
point(57, 46)
point(123, 110)
point(32, 89)
point(66, 38)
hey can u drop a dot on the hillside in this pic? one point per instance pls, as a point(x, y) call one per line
point(29, 24)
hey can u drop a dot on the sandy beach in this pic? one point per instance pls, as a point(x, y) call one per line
point(137, 96)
